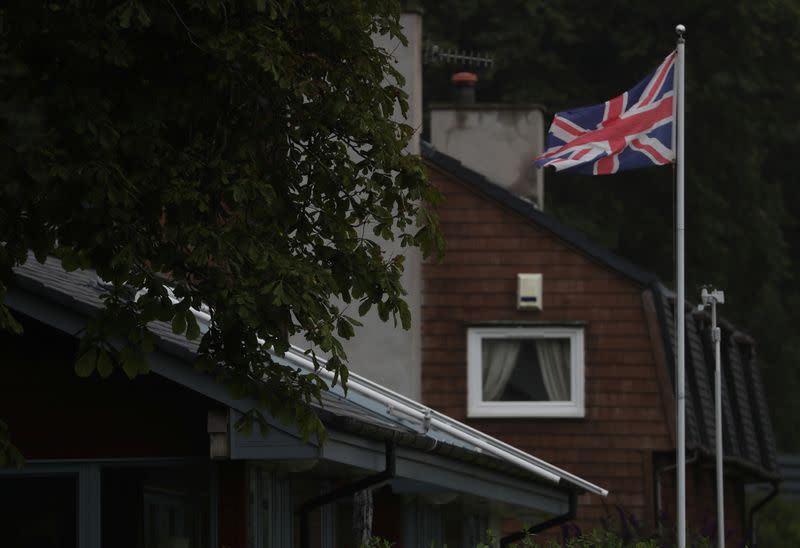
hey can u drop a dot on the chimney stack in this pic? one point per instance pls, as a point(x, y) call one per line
point(496, 140)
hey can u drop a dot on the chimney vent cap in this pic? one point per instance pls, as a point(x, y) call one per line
point(464, 79)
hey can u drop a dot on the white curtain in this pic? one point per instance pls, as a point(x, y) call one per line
point(554, 361)
point(499, 359)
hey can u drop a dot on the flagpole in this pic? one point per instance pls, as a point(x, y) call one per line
point(679, 299)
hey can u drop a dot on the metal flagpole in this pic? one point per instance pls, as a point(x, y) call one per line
point(713, 298)
point(679, 299)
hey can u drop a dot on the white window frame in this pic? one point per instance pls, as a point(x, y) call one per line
point(477, 408)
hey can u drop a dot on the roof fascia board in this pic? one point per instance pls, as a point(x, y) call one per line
point(436, 470)
point(346, 448)
point(44, 310)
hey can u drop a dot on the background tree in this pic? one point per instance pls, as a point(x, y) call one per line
point(241, 151)
point(743, 104)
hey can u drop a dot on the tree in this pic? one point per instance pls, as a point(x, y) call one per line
point(241, 152)
point(742, 99)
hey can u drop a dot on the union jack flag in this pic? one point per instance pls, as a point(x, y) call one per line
point(630, 131)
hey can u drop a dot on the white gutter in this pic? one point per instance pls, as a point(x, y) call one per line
point(397, 403)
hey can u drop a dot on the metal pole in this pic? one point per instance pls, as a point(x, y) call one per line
point(715, 334)
point(713, 298)
point(680, 311)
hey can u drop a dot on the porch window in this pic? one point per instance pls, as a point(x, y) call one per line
point(525, 371)
point(39, 512)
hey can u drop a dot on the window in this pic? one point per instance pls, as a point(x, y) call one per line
point(515, 371)
point(157, 506)
point(39, 512)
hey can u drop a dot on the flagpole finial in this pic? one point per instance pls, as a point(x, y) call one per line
point(679, 30)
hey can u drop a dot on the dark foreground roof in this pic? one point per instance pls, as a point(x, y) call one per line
point(80, 291)
point(747, 429)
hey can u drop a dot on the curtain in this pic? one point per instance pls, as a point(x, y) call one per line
point(499, 359)
point(554, 362)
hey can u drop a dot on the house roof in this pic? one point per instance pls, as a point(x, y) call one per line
point(748, 438)
point(747, 429)
point(526, 208)
point(362, 411)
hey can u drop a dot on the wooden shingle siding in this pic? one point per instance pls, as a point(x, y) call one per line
point(487, 246)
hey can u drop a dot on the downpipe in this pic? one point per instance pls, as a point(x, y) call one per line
point(751, 517)
point(553, 522)
point(346, 491)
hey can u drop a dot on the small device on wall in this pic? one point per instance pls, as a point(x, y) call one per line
point(529, 291)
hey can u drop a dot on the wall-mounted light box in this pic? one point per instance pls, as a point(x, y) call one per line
point(529, 291)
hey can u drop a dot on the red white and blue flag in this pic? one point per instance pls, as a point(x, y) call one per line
point(630, 131)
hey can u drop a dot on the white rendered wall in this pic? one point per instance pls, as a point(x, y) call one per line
point(382, 352)
point(498, 141)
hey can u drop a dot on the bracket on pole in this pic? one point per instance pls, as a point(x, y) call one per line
point(709, 297)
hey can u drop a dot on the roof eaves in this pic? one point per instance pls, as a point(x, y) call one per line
point(448, 430)
point(414, 440)
point(79, 291)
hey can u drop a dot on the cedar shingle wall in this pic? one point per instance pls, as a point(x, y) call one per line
point(487, 245)
point(701, 506)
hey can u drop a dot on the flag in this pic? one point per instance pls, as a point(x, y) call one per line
point(630, 131)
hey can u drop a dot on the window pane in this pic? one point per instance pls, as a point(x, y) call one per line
point(156, 507)
point(38, 512)
point(526, 369)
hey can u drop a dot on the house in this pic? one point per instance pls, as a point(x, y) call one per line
point(586, 378)
point(607, 412)
point(158, 461)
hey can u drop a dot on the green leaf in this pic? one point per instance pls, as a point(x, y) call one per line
point(130, 362)
point(192, 327)
point(104, 364)
point(8, 321)
point(344, 329)
point(85, 364)
point(405, 315)
point(143, 16)
point(125, 15)
point(179, 322)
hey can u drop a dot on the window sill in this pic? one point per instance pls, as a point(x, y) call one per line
point(507, 410)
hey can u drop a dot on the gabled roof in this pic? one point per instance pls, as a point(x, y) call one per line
point(577, 239)
point(367, 410)
point(747, 429)
point(748, 438)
